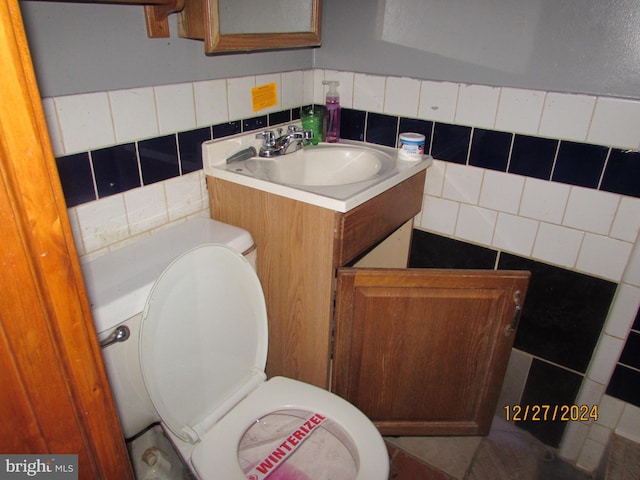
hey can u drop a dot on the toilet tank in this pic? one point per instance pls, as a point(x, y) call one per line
point(118, 284)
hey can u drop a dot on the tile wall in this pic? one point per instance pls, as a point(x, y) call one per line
point(546, 180)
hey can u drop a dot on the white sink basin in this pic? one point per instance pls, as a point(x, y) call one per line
point(337, 176)
point(326, 164)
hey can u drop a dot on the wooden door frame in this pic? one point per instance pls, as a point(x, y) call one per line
point(55, 394)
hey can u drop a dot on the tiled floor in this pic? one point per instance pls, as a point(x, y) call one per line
point(507, 453)
point(624, 460)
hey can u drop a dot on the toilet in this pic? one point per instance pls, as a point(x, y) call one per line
point(194, 357)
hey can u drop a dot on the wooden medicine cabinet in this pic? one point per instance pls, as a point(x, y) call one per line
point(240, 25)
point(234, 25)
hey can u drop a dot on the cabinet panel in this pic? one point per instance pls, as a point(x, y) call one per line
point(372, 221)
point(294, 243)
point(424, 352)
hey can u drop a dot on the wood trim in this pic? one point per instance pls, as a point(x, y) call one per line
point(215, 41)
point(59, 399)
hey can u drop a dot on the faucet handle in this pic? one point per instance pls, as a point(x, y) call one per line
point(268, 136)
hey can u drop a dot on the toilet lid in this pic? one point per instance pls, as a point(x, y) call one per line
point(203, 339)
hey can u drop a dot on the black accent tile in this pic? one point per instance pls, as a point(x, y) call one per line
point(226, 129)
point(533, 156)
point(76, 179)
point(382, 129)
point(116, 169)
point(631, 353)
point(622, 173)
point(352, 124)
point(254, 123)
point(450, 142)
point(636, 322)
point(435, 251)
point(549, 385)
point(190, 146)
point(413, 125)
point(295, 114)
point(625, 385)
point(158, 159)
point(490, 149)
point(563, 313)
point(579, 164)
point(278, 118)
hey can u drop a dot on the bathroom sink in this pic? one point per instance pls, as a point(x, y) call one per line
point(338, 176)
point(326, 164)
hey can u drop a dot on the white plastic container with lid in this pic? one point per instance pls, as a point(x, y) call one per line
point(411, 146)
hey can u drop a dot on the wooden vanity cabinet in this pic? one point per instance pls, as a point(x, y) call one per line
point(299, 248)
point(421, 352)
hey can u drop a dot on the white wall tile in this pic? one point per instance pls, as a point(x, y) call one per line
point(211, 102)
point(477, 105)
point(590, 394)
point(545, 201)
point(76, 231)
point(476, 224)
point(146, 208)
point(308, 87)
point(604, 359)
point(239, 91)
point(318, 88)
point(591, 210)
point(603, 256)
point(345, 89)
point(439, 215)
point(632, 272)
point(626, 224)
point(368, 92)
point(53, 128)
point(515, 234)
point(103, 222)
point(520, 110)
point(438, 101)
point(292, 89)
point(623, 311)
point(435, 178)
point(558, 245)
point(85, 121)
point(575, 435)
point(629, 425)
point(501, 191)
point(609, 411)
point(402, 96)
point(462, 183)
point(134, 114)
point(566, 116)
point(616, 122)
point(600, 434)
point(185, 195)
point(590, 455)
point(176, 107)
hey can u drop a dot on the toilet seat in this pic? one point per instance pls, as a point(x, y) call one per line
point(203, 344)
point(216, 455)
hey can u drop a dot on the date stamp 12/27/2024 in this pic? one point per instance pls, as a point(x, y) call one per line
point(551, 413)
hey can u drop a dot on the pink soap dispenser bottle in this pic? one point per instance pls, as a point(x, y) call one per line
point(332, 112)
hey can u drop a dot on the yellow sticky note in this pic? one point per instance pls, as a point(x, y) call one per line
point(264, 96)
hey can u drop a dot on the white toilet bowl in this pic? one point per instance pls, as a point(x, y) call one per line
point(202, 351)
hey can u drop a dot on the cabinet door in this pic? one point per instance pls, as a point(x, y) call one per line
point(424, 352)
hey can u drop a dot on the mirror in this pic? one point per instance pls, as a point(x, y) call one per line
point(247, 25)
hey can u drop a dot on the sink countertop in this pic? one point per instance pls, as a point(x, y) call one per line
point(340, 198)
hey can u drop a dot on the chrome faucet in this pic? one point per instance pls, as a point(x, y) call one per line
point(290, 142)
